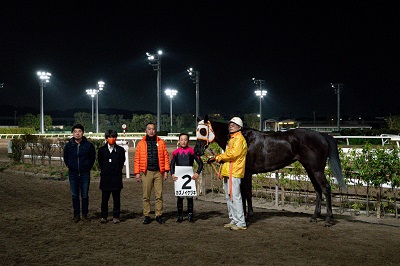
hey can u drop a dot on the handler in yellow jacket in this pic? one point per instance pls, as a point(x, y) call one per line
point(234, 160)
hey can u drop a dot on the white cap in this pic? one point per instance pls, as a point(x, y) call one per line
point(237, 121)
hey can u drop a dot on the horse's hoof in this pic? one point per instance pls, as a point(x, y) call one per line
point(313, 220)
point(328, 225)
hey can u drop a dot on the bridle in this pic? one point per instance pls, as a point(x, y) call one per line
point(205, 132)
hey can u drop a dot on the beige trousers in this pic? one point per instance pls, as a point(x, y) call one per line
point(150, 180)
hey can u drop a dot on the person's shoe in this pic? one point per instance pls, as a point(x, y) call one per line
point(190, 218)
point(159, 219)
point(230, 225)
point(103, 220)
point(85, 218)
point(180, 218)
point(235, 228)
point(146, 220)
point(76, 219)
point(116, 220)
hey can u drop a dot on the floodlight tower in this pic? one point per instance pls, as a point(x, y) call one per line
point(338, 87)
point(92, 93)
point(170, 93)
point(260, 93)
point(100, 87)
point(44, 78)
point(195, 76)
point(155, 62)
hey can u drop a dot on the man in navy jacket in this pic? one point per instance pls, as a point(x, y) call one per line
point(79, 157)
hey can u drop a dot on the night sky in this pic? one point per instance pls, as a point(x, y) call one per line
point(298, 47)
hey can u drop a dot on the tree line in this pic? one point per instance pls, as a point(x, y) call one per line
point(180, 123)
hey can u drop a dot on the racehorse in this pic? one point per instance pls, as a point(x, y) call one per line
point(269, 152)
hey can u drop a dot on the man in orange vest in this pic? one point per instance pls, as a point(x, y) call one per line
point(151, 167)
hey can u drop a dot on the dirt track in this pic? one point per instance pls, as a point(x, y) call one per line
point(36, 228)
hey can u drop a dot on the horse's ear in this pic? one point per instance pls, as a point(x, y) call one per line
point(206, 118)
point(198, 119)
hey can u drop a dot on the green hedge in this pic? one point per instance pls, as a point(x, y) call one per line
point(18, 130)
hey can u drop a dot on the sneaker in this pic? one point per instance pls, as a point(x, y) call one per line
point(159, 219)
point(180, 219)
point(85, 218)
point(103, 220)
point(235, 227)
point(116, 220)
point(76, 219)
point(146, 220)
point(230, 225)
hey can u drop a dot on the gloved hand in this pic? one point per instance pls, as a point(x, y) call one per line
point(211, 160)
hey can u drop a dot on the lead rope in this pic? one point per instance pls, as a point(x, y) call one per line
point(230, 177)
point(218, 172)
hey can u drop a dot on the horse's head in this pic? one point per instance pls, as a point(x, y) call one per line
point(205, 135)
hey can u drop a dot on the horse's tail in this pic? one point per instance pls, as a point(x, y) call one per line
point(334, 161)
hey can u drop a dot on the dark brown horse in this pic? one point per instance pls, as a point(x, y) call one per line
point(269, 152)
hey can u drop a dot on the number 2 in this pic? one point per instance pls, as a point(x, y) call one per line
point(184, 186)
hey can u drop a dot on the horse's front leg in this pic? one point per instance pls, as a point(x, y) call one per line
point(244, 197)
point(244, 204)
point(247, 193)
point(250, 201)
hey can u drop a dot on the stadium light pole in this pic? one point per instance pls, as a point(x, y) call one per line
point(155, 62)
point(337, 88)
point(260, 93)
point(170, 93)
point(44, 78)
point(100, 87)
point(92, 93)
point(195, 76)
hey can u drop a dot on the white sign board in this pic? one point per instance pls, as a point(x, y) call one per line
point(185, 186)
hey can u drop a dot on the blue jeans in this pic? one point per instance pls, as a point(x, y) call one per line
point(80, 185)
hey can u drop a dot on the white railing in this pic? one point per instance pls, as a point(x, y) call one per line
point(134, 137)
point(385, 138)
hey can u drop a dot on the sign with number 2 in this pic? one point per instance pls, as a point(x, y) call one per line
point(185, 186)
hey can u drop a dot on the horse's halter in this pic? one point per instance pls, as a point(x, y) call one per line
point(205, 132)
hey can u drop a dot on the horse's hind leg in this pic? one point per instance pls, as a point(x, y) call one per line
point(329, 214)
point(327, 192)
point(318, 199)
point(325, 188)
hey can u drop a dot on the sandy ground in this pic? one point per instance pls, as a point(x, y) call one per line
point(36, 229)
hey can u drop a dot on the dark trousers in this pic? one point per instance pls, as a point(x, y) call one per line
point(105, 196)
point(79, 186)
point(180, 205)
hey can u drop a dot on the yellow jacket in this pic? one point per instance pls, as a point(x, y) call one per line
point(235, 154)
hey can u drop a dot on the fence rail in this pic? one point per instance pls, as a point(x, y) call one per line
point(134, 136)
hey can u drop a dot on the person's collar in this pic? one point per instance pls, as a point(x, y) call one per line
point(234, 133)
